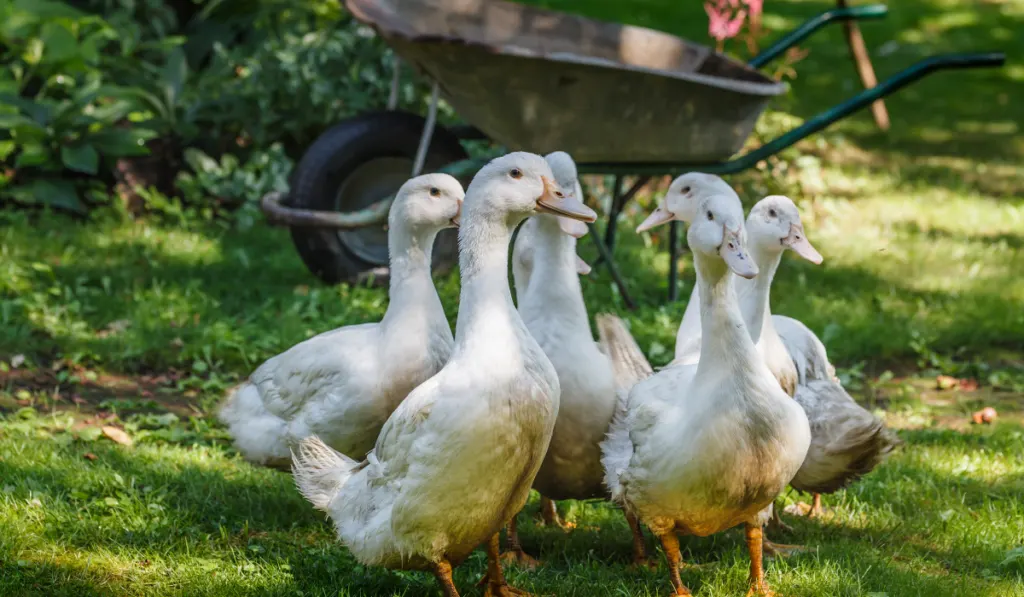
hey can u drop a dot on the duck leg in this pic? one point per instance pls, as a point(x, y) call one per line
point(443, 573)
point(497, 586)
point(778, 549)
point(816, 508)
point(670, 543)
point(758, 586)
point(549, 514)
point(515, 554)
point(776, 522)
point(640, 557)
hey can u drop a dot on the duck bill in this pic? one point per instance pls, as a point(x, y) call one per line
point(554, 201)
point(456, 219)
point(797, 241)
point(573, 228)
point(734, 252)
point(658, 217)
point(582, 268)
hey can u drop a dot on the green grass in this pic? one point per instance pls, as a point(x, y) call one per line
point(922, 232)
point(178, 514)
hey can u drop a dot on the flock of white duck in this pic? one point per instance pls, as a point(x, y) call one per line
point(422, 447)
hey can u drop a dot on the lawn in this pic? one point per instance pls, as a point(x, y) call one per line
point(142, 326)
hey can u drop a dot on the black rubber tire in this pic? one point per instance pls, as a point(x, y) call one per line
point(333, 157)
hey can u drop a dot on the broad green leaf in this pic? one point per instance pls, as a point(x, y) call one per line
point(11, 121)
point(32, 154)
point(174, 74)
point(40, 111)
point(59, 194)
point(200, 162)
point(80, 158)
point(59, 43)
point(48, 9)
point(33, 51)
point(6, 149)
point(118, 142)
point(29, 132)
point(113, 111)
point(152, 102)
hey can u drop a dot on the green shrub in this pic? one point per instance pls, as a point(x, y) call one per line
point(233, 185)
point(60, 118)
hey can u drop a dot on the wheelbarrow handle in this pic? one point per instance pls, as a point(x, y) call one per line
point(273, 208)
point(887, 87)
point(849, 13)
point(812, 125)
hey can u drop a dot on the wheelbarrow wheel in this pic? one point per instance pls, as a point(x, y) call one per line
point(351, 166)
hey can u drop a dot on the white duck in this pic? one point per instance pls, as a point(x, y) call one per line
point(773, 225)
point(455, 461)
point(343, 384)
point(847, 441)
point(550, 300)
point(698, 449)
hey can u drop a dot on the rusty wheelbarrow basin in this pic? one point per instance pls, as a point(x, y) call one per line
point(541, 81)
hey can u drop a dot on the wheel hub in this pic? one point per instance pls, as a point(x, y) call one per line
point(368, 183)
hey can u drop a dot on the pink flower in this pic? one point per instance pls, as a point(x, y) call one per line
point(755, 7)
point(722, 25)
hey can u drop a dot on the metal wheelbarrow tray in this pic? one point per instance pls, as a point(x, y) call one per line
point(543, 81)
point(620, 99)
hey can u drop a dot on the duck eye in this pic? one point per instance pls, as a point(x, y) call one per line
point(435, 192)
point(686, 190)
point(711, 217)
point(772, 213)
point(516, 173)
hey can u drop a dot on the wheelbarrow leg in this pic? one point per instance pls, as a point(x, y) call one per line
point(673, 261)
point(427, 134)
point(396, 78)
point(613, 269)
point(864, 68)
point(613, 215)
point(619, 201)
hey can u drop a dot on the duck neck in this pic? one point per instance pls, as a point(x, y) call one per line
point(755, 295)
point(553, 286)
point(487, 316)
point(412, 296)
point(725, 341)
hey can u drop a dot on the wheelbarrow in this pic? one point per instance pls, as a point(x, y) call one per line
point(622, 100)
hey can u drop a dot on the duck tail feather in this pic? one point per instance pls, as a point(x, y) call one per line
point(628, 362)
point(320, 471)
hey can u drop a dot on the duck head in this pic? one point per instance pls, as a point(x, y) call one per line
point(774, 225)
point(564, 170)
point(430, 202)
point(717, 231)
point(520, 185)
point(683, 196)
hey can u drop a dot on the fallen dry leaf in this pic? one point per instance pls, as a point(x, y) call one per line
point(968, 385)
point(114, 328)
point(798, 509)
point(985, 415)
point(945, 382)
point(89, 456)
point(117, 435)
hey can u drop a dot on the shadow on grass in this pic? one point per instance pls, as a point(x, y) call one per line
point(897, 530)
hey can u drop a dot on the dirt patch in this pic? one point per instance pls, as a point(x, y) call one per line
point(917, 403)
point(91, 392)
